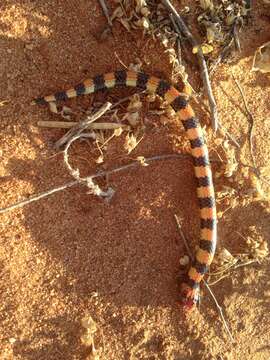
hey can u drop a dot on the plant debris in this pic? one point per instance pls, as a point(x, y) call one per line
point(131, 142)
point(257, 246)
point(221, 21)
point(90, 329)
point(261, 60)
point(133, 110)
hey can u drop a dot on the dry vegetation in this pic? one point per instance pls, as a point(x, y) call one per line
point(92, 272)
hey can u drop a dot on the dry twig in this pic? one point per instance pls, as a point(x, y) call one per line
point(98, 175)
point(250, 136)
point(251, 121)
point(88, 181)
point(232, 267)
point(70, 124)
point(221, 127)
point(124, 100)
point(82, 125)
point(182, 28)
point(220, 310)
point(230, 136)
point(176, 29)
point(106, 11)
point(224, 53)
point(183, 237)
point(38, 197)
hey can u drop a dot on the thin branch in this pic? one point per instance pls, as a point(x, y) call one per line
point(234, 40)
point(106, 11)
point(219, 308)
point(250, 137)
point(251, 121)
point(203, 66)
point(88, 181)
point(176, 29)
point(124, 100)
point(37, 197)
point(82, 125)
point(233, 267)
point(245, 263)
point(222, 55)
point(70, 124)
point(121, 62)
point(214, 282)
point(183, 237)
point(98, 175)
point(179, 54)
point(235, 32)
point(231, 137)
point(221, 127)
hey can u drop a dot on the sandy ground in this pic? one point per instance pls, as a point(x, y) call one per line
point(72, 253)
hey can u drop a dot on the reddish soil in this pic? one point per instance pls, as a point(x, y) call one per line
point(72, 253)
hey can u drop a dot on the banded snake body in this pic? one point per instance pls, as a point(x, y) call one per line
point(199, 152)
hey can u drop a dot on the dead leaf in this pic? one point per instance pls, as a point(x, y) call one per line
point(135, 103)
point(143, 23)
point(206, 4)
point(140, 4)
point(261, 60)
point(87, 339)
point(131, 142)
point(133, 118)
point(88, 323)
point(206, 49)
point(100, 159)
point(141, 159)
point(118, 132)
point(145, 11)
